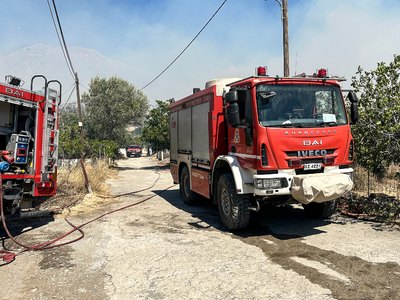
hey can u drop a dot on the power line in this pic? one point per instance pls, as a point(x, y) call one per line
point(62, 35)
point(68, 89)
point(59, 39)
point(68, 98)
point(63, 43)
point(83, 86)
point(185, 48)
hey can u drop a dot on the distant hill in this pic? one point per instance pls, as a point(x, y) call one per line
point(49, 61)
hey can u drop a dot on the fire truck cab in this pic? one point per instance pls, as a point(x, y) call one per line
point(28, 143)
point(242, 142)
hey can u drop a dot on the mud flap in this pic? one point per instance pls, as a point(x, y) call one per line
point(320, 187)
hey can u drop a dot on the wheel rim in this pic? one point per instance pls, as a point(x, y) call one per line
point(225, 202)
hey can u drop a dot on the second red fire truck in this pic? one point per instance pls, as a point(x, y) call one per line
point(241, 142)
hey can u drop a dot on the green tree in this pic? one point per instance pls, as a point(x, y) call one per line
point(156, 127)
point(70, 142)
point(111, 106)
point(379, 116)
point(109, 148)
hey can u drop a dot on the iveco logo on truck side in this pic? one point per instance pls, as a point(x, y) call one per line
point(14, 92)
point(309, 143)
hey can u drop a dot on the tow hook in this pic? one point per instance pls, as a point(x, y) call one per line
point(256, 209)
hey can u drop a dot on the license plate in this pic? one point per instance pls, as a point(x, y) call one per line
point(312, 166)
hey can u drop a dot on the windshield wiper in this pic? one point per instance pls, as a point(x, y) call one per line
point(327, 124)
point(288, 125)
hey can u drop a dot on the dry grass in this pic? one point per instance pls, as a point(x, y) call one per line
point(388, 185)
point(71, 188)
point(378, 199)
point(72, 180)
point(87, 204)
point(393, 171)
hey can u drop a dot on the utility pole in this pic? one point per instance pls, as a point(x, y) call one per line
point(78, 100)
point(285, 38)
point(285, 23)
point(80, 123)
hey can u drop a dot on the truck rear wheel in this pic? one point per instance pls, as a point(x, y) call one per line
point(233, 208)
point(322, 210)
point(189, 197)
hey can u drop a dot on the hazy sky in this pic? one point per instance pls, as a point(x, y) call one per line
point(141, 37)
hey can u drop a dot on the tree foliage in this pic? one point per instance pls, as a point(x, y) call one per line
point(156, 127)
point(111, 106)
point(70, 143)
point(379, 116)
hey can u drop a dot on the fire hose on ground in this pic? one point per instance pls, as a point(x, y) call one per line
point(9, 256)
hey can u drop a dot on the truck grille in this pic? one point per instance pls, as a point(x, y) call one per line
point(311, 161)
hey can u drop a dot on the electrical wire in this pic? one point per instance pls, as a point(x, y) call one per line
point(66, 102)
point(59, 39)
point(185, 48)
point(83, 86)
point(62, 36)
point(73, 85)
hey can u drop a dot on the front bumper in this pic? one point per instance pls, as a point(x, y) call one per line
point(270, 183)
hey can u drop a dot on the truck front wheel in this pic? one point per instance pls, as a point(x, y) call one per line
point(322, 210)
point(233, 208)
point(189, 197)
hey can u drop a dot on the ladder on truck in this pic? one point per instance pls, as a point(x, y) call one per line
point(50, 134)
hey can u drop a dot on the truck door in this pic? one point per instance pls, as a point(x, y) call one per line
point(242, 137)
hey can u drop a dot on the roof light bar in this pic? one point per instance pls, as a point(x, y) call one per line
point(262, 71)
point(321, 73)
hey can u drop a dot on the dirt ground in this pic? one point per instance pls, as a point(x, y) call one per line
point(163, 249)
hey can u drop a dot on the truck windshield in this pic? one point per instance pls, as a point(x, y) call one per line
point(300, 105)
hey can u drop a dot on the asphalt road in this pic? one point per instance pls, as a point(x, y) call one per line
point(163, 249)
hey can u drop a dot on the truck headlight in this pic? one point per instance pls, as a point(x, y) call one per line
point(272, 183)
point(258, 183)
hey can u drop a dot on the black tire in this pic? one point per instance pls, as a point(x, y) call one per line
point(233, 208)
point(189, 197)
point(322, 210)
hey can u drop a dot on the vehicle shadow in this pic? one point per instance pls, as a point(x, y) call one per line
point(154, 168)
point(18, 227)
point(286, 222)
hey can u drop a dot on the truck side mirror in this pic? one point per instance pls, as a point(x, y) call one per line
point(232, 114)
point(353, 107)
point(354, 112)
point(232, 110)
point(352, 97)
point(231, 97)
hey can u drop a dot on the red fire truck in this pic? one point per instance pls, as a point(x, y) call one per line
point(28, 143)
point(242, 142)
